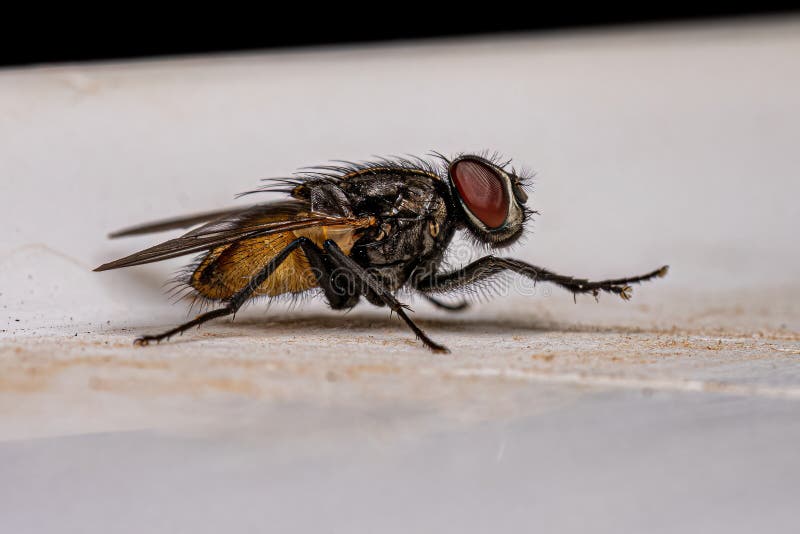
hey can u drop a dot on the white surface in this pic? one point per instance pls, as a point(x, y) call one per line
point(677, 412)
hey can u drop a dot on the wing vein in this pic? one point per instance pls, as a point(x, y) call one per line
point(260, 220)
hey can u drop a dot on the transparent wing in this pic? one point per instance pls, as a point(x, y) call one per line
point(244, 223)
point(186, 221)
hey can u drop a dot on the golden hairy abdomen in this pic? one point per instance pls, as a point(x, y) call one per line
point(228, 269)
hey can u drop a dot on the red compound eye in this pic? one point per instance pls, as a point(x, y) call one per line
point(482, 191)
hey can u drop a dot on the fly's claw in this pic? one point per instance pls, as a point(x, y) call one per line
point(145, 340)
point(625, 292)
point(662, 272)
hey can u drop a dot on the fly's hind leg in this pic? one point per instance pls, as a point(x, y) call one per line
point(236, 301)
point(143, 341)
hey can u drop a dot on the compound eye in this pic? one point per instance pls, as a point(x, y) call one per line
point(482, 191)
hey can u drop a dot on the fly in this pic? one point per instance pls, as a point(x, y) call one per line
point(356, 230)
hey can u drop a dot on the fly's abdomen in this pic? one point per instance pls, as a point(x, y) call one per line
point(228, 269)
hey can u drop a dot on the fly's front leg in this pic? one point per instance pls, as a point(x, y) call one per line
point(489, 266)
point(236, 301)
point(347, 263)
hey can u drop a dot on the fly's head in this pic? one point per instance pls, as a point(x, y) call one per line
point(491, 198)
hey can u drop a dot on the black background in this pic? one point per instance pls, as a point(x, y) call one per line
point(137, 33)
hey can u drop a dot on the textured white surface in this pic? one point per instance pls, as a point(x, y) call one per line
point(676, 412)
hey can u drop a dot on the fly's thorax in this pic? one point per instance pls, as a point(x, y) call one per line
point(414, 220)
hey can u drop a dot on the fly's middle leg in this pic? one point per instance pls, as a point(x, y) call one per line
point(347, 263)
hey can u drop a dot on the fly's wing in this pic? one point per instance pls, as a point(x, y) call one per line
point(245, 223)
point(187, 221)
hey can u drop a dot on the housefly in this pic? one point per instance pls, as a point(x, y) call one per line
point(353, 230)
